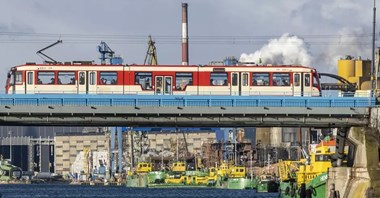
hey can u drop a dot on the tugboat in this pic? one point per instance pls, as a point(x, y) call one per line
point(237, 179)
point(267, 182)
point(234, 177)
point(145, 176)
point(308, 174)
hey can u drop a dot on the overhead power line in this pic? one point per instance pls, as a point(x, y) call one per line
point(327, 39)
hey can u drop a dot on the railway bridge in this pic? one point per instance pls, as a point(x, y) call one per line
point(356, 117)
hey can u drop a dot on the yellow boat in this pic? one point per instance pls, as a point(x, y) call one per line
point(310, 171)
point(177, 174)
point(180, 176)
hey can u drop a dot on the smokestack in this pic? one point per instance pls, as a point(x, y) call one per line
point(185, 38)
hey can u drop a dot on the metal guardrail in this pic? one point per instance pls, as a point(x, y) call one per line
point(286, 92)
point(183, 101)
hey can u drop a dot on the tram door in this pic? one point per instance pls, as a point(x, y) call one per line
point(29, 84)
point(87, 82)
point(239, 83)
point(91, 87)
point(307, 84)
point(82, 85)
point(163, 85)
point(168, 85)
point(158, 85)
point(297, 84)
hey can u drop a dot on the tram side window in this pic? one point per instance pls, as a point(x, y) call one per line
point(66, 78)
point(281, 79)
point(18, 75)
point(144, 79)
point(315, 81)
point(307, 80)
point(45, 78)
point(260, 79)
point(297, 80)
point(234, 79)
point(245, 79)
point(30, 78)
point(16, 78)
point(218, 79)
point(108, 78)
point(81, 78)
point(182, 80)
point(92, 78)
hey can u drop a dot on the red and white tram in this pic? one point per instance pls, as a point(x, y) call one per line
point(85, 78)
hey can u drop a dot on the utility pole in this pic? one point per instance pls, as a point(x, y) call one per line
point(10, 146)
point(176, 130)
point(251, 166)
point(377, 57)
point(373, 77)
point(162, 160)
point(235, 139)
point(132, 150)
point(40, 161)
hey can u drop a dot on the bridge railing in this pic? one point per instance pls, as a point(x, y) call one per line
point(325, 93)
point(182, 101)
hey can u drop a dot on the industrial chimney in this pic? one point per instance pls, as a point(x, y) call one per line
point(185, 38)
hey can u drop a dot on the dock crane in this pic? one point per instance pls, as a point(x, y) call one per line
point(151, 54)
point(105, 52)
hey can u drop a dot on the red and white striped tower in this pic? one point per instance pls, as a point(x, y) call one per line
point(185, 38)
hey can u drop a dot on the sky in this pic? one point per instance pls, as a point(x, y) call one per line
point(316, 33)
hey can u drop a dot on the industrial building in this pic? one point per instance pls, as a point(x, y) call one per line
point(30, 154)
point(68, 147)
point(168, 144)
point(65, 153)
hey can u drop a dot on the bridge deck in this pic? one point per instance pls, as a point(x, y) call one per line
point(139, 110)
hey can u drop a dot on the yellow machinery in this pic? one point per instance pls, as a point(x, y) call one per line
point(175, 178)
point(287, 169)
point(212, 172)
point(196, 178)
point(307, 169)
point(178, 173)
point(356, 71)
point(144, 167)
point(223, 169)
point(236, 172)
point(179, 167)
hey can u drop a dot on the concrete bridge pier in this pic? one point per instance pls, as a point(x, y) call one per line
point(363, 178)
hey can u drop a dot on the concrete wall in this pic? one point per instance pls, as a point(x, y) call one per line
point(194, 140)
point(263, 136)
point(275, 136)
point(364, 177)
point(68, 147)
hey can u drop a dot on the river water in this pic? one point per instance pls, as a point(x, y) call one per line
point(53, 190)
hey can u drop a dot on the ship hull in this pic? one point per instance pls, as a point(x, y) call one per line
point(137, 181)
point(156, 177)
point(316, 187)
point(240, 183)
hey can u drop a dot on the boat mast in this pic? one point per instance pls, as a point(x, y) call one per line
point(235, 139)
point(176, 131)
point(132, 150)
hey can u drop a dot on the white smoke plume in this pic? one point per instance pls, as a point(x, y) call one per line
point(286, 50)
point(353, 42)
